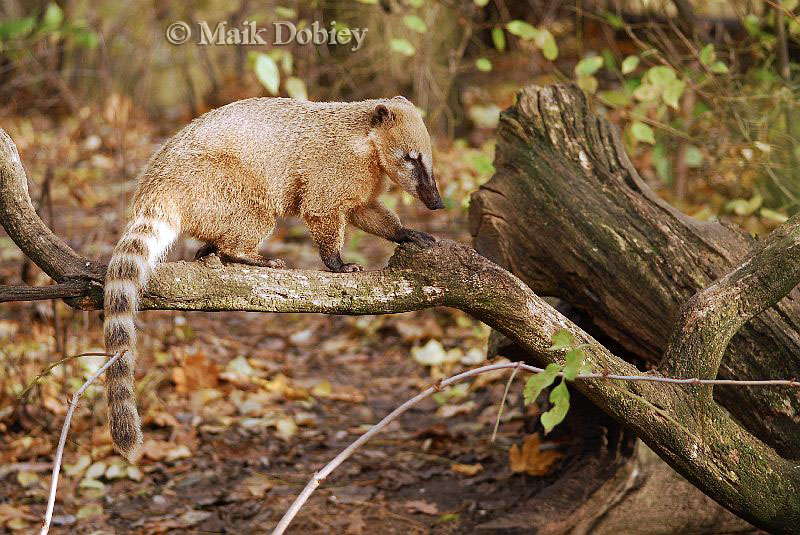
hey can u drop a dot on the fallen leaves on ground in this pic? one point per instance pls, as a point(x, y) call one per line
point(532, 459)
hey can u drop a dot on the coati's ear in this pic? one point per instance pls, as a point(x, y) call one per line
point(401, 98)
point(381, 115)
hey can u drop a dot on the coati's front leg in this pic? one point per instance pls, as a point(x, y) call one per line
point(328, 234)
point(377, 219)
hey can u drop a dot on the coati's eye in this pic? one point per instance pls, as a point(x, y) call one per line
point(407, 157)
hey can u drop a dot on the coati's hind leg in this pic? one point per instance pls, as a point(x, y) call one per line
point(240, 246)
point(256, 259)
point(328, 234)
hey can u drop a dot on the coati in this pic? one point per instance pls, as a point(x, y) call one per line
point(225, 177)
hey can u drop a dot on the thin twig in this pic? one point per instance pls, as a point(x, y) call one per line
point(320, 476)
point(503, 402)
point(51, 500)
point(53, 365)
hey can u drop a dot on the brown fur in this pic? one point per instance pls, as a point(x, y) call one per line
point(227, 176)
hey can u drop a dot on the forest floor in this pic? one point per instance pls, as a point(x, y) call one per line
point(240, 409)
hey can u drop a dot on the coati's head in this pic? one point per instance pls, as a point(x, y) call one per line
point(404, 149)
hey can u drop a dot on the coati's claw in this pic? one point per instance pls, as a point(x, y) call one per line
point(350, 268)
point(206, 250)
point(276, 263)
point(423, 239)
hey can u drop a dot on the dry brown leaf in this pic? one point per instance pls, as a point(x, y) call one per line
point(347, 393)
point(158, 450)
point(195, 372)
point(531, 459)
point(419, 506)
point(466, 469)
point(257, 485)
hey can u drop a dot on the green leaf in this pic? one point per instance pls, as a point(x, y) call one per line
point(296, 88)
point(574, 361)
point(614, 20)
point(536, 383)
point(561, 339)
point(559, 397)
point(642, 132)
point(11, 29)
point(752, 24)
point(615, 99)
point(481, 3)
point(707, 55)
point(547, 43)
point(694, 157)
point(629, 64)
point(588, 66)
point(522, 29)
point(647, 92)
point(744, 207)
point(499, 38)
point(283, 12)
point(402, 46)
point(483, 64)
point(481, 164)
point(588, 84)
point(267, 72)
point(662, 163)
point(53, 17)
point(772, 215)
point(85, 37)
point(719, 68)
point(414, 23)
point(416, 3)
point(672, 93)
point(661, 75)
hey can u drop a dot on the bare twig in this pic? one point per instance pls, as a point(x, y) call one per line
point(320, 476)
point(51, 500)
point(503, 401)
point(37, 293)
point(53, 365)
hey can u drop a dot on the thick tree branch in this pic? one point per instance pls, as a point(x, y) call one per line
point(598, 238)
point(714, 315)
point(28, 231)
point(722, 459)
point(76, 288)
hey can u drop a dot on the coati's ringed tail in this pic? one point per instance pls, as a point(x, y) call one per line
point(144, 242)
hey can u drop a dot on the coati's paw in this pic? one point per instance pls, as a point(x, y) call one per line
point(420, 238)
point(350, 268)
point(206, 250)
point(275, 263)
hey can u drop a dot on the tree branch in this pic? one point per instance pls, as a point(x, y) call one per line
point(28, 231)
point(65, 290)
point(714, 315)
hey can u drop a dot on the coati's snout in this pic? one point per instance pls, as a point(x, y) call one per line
point(426, 190)
point(404, 148)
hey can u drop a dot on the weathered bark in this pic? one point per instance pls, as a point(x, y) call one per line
point(37, 293)
point(726, 462)
point(568, 214)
